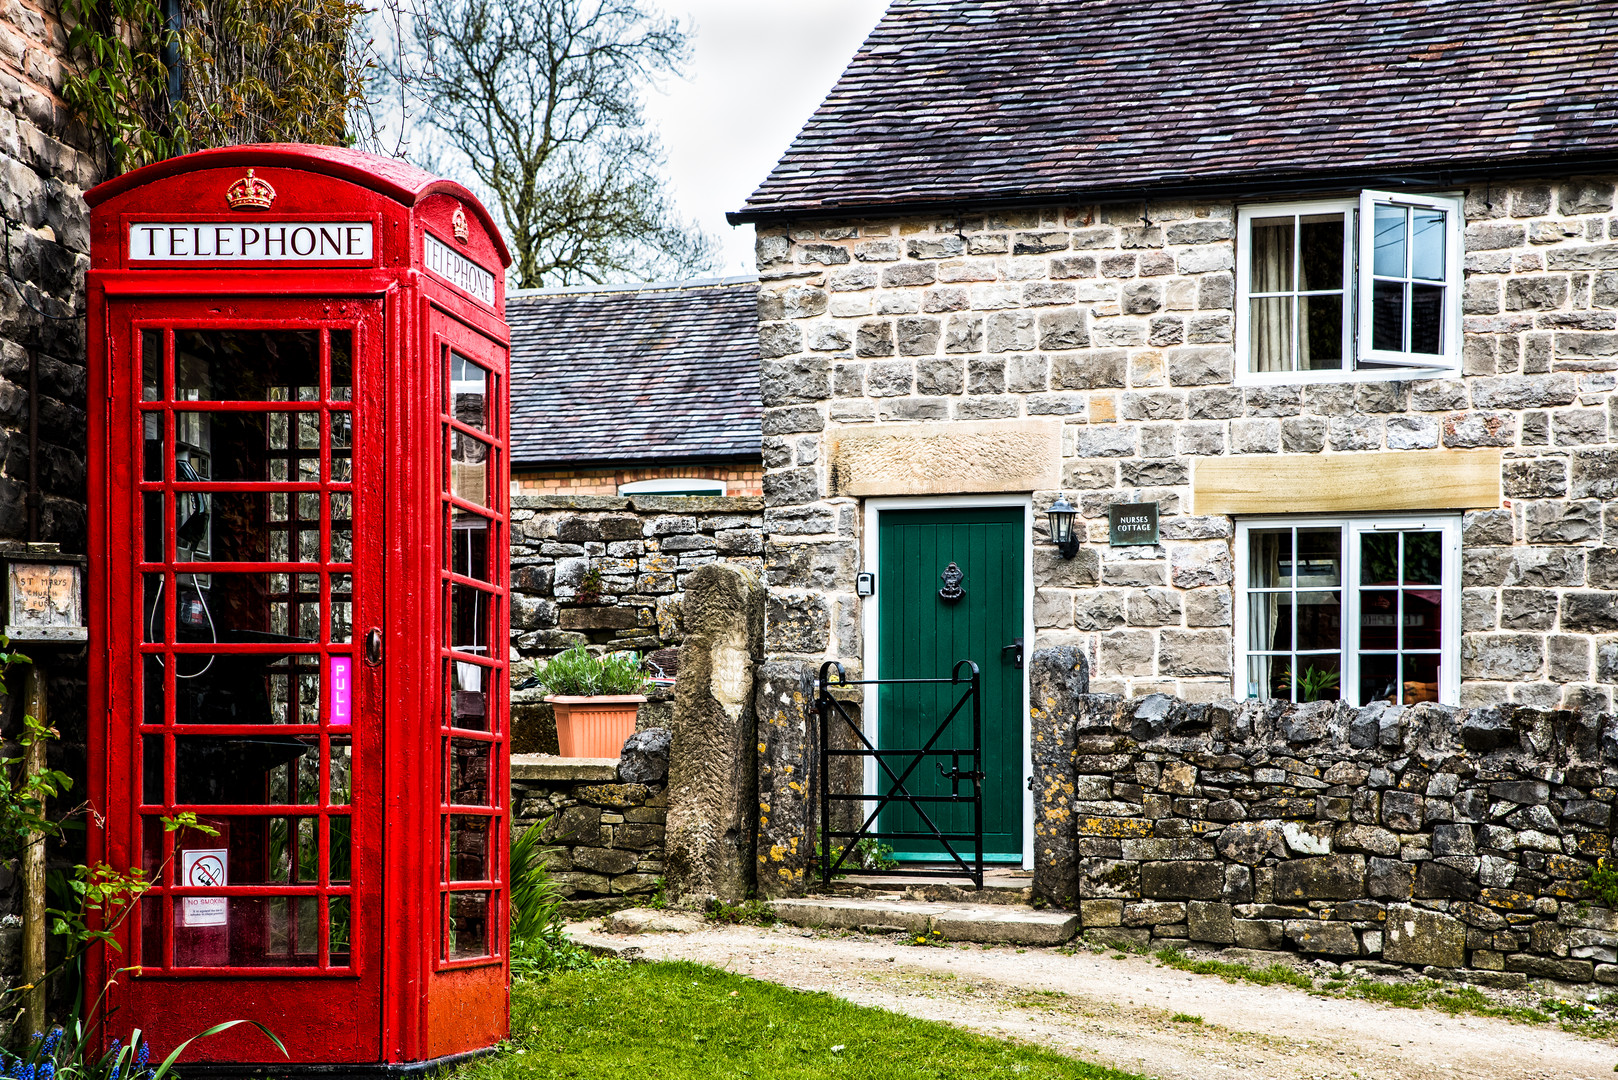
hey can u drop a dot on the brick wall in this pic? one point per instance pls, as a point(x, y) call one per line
point(741, 479)
point(1123, 330)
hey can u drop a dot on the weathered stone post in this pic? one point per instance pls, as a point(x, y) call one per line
point(1057, 677)
point(712, 771)
point(786, 694)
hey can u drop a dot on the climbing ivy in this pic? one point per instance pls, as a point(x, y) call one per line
point(153, 83)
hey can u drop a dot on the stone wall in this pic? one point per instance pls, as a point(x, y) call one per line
point(1118, 322)
point(611, 571)
point(607, 831)
point(1435, 836)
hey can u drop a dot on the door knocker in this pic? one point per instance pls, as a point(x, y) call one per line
point(952, 578)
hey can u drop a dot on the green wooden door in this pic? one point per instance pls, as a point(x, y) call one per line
point(920, 635)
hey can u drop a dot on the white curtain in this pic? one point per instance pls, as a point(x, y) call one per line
point(1269, 332)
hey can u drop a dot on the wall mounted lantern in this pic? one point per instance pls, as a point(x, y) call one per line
point(1061, 515)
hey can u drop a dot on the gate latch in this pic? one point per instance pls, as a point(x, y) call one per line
point(1012, 652)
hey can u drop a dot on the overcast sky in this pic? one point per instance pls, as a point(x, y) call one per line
point(759, 69)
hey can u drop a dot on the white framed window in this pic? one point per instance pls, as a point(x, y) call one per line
point(1362, 609)
point(673, 485)
point(1361, 288)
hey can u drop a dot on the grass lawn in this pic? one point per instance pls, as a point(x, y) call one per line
point(672, 1021)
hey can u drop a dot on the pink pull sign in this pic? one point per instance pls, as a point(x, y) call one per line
point(342, 691)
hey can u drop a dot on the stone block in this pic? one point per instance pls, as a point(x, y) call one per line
point(1418, 936)
point(1265, 934)
point(1210, 922)
point(1547, 967)
point(1187, 880)
point(1329, 938)
point(1335, 877)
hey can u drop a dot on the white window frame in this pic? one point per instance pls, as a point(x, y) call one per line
point(682, 484)
point(1453, 209)
point(1353, 527)
point(1360, 362)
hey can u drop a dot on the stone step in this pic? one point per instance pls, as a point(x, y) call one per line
point(1000, 886)
point(1004, 924)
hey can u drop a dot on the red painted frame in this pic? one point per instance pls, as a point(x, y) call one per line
point(398, 999)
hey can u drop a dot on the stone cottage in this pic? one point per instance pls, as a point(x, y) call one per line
point(1308, 311)
point(648, 389)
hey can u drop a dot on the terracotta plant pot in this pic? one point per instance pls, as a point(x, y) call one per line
point(594, 727)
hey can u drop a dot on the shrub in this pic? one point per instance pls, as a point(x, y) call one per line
point(1603, 881)
point(576, 671)
point(538, 944)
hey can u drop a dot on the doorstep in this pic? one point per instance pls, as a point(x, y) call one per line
point(996, 924)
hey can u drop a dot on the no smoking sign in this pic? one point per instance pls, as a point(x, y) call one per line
point(205, 868)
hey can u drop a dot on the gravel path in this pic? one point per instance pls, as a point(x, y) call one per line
point(1118, 1011)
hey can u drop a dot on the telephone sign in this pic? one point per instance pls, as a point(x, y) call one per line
point(297, 600)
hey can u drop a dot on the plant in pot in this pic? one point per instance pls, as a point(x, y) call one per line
point(595, 699)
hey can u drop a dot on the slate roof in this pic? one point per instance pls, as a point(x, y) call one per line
point(978, 102)
point(638, 373)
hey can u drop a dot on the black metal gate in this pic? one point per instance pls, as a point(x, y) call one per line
point(910, 759)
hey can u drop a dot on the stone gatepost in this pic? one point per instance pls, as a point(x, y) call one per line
point(712, 758)
point(786, 694)
point(1057, 678)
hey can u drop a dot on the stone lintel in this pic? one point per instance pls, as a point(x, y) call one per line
point(1344, 483)
point(945, 457)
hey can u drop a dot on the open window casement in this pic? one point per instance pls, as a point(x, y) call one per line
point(1409, 278)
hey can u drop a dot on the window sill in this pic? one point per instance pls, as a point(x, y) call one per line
point(1358, 375)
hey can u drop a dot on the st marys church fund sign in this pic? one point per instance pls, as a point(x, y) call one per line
point(1131, 523)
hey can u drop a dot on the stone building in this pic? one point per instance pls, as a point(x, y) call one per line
point(635, 390)
point(1323, 298)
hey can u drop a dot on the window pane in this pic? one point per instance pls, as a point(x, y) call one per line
point(469, 848)
point(1389, 226)
point(1266, 677)
point(1420, 681)
point(1270, 558)
point(339, 857)
point(469, 619)
point(466, 925)
point(1320, 341)
point(1379, 679)
point(1320, 556)
point(1388, 316)
point(1269, 334)
point(338, 932)
point(1427, 244)
point(469, 696)
point(1315, 678)
point(246, 365)
point(342, 365)
point(1426, 318)
point(468, 389)
point(341, 781)
point(241, 770)
point(238, 688)
point(1379, 558)
point(469, 541)
point(1321, 243)
point(250, 446)
point(1320, 620)
point(1423, 618)
point(151, 365)
point(1379, 619)
point(153, 452)
point(1272, 255)
point(468, 779)
point(468, 468)
point(1424, 560)
point(1269, 621)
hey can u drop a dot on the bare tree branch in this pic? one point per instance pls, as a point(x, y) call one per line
point(538, 104)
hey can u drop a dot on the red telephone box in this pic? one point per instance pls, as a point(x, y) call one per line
point(298, 508)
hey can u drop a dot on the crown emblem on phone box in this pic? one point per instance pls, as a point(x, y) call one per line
point(250, 193)
point(458, 222)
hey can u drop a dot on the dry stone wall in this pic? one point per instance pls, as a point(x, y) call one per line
point(1118, 321)
point(606, 826)
point(611, 571)
point(1434, 836)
